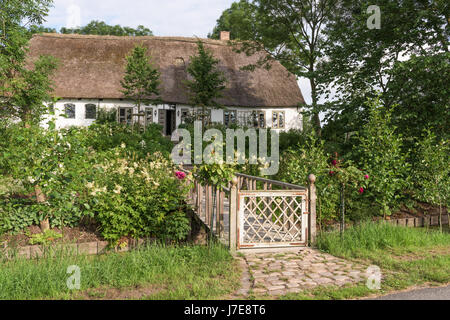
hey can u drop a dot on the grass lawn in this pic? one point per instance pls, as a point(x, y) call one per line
point(408, 257)
point(154, 272)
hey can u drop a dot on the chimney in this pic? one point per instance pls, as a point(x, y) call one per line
point(225, 35)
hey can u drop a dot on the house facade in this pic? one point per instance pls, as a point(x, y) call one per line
point(91, 67)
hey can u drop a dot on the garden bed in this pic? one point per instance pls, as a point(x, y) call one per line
point(69, 235)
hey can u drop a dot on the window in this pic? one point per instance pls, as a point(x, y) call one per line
point(91, 111)
point(254, 119)
point(148, 116)
point(69, 110)
point(51, 108)
point(278, 119)
point(125, 115)
point(229, 117)
point(198, 115)
point(185, 116)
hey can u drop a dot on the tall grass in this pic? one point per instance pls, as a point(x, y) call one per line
point(368, 237)
point(184, 272)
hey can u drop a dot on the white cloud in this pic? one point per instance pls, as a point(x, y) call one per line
point(164, 18)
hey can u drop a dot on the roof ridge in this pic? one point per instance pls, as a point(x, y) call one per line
point(109, 37)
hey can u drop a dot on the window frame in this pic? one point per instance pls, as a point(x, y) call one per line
point(276, 124)
point(86, 111)
point(251, 118)
point(66, 108)
point(126, 109)
point(147, 111)
point(230, 121)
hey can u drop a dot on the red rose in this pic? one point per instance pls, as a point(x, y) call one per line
point(361, 190)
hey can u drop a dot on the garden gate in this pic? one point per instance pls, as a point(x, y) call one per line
point(255, 213)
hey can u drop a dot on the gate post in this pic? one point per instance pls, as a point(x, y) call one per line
point(312, 209)
point(233, 214)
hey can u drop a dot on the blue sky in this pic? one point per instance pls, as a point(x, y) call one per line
point(164, 17)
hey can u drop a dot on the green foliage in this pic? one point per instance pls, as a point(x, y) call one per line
point(45, 238)
point(380, 153)
point(362, 61)
point(208, 82)
point(16, 215)
point(136, 198)
point(62, 163)
point(101, 28)
point(419, 88)
point(299, 162)
point(23, 89)
point(106, 135)
point(141, 81)
point(237, 20)
point(432, 173)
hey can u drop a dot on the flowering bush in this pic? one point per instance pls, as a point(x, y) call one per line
point(137, 197)
point(123, 189)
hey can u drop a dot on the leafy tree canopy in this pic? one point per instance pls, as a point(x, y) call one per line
point(208, 81)
point(101, 28)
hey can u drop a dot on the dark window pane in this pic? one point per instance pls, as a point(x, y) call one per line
point(69, 110)
point(91, 111)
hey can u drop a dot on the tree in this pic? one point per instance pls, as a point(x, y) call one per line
point(380, 154)
point(101, 28)
point(363, 61)
point(23, 89)
point(433, 172)
point(290, 31)
point(141, 81)
point(208, 82)
point(238, 20)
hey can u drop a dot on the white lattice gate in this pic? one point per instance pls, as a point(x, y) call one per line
point(275, 218)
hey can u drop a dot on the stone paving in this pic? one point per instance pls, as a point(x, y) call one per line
point(284, 272)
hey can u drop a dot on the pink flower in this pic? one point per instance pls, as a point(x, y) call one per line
point(361, 190)
point(366, 176)
point(334, 162)
point(180, 175)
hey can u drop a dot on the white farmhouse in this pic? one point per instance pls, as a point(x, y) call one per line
point(91, 68)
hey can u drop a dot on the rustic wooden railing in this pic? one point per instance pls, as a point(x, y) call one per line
point(220, 209)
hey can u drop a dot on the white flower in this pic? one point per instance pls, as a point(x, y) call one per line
point(90, 185)
point(31, 180)
point(123, 145)
point(118, 189)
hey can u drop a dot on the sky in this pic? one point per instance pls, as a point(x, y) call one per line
point(164, 17)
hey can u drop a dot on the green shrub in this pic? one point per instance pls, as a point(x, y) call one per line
point(137, 197)
point(380, 154)
point(297, 163)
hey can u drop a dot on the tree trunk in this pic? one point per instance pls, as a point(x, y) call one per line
point(440, 216)
point(40, 197)
point(315, 113)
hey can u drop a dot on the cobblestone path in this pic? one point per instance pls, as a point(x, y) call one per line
point(276, 274)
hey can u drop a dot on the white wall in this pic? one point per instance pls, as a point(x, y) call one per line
point(293, 116)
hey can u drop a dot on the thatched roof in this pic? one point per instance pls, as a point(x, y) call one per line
point(92, 67)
